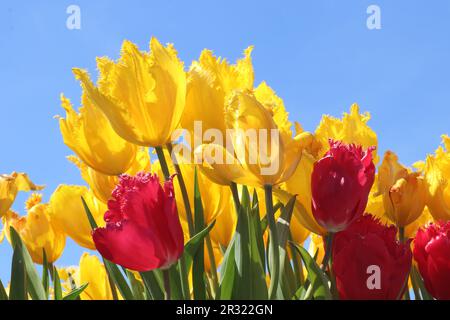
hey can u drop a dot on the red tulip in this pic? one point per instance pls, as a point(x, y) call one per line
point(143, 230)
point(369, 263)
point(340, 185)
point(432, 253)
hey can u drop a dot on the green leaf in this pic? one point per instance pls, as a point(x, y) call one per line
point(243, 271)
point(89, 215)
point(18, 289)
point(257, 228)
point(242, 250)
point(75, 293)
point(283, 222)
point(153, 286)
point(3, 294)
point(136, 286)
point(417, 279)
point(57, 285)
point(34, 284)
point(45, 274)
point(257, 259)
point(198, 266)
point(228, 271)
point(119, 280)
point(318, 281)
point(194, 243)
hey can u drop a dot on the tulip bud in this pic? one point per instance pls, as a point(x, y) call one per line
point(143, 230)
point(369, 263)
point(340, 183)
point(432, 253)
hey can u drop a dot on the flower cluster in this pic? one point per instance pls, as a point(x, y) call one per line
point(227, 211)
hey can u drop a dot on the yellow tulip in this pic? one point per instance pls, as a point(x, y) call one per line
point(424, 219)
point(93, 272)
point(90, 135)
point(437, 175)
point(101, 184)
point(69, 215)
point(10, 185)
point(264, 152)
point(90, 271)
point(37, 230)
point(404, 192)
point(142, 95)
point(300, 185)
point(353, 128)
point(210, 80)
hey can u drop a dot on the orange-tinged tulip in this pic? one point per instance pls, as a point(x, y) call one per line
point(10, 185)
point(37, 230)
point(404, 192)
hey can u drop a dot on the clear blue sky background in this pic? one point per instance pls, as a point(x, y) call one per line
point(318, 55)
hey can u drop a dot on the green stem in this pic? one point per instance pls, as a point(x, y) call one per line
point(212, 263)
point(184, 192)
point(166, 278)
point(401, 234)
point(163, 163)
point(112, 286)
point(235, 193)
point(328, 249)
point(184, 278)
point(274, 255)
point(401, 238)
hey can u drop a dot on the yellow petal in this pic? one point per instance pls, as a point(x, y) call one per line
point(93, 272)
point(69, 215)
point(210, 81)
point(10, 185)
point(142, 95)
point(300, 185)
point(90, 135)
point(352, 128)
point(38, 232)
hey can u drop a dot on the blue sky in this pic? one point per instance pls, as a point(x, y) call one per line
point(318, 55)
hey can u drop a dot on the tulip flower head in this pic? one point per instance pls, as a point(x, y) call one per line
point(404, 192)
point(369, 263)
point(37, 230)
point(341, 183)
point(437, 174)
point(432, 253)
point(10, 185)
point(142, 95)
point(143, 230)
